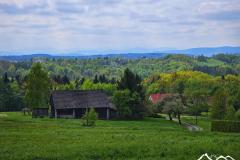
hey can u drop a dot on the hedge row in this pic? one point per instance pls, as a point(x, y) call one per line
point(225, 126)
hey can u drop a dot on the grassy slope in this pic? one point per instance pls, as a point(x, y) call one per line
point(22, 137)
point(203, 122)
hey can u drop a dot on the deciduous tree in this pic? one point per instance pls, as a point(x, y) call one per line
point(219, 104)
point(37, 87)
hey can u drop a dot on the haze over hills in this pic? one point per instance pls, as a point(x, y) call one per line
point(206, 51)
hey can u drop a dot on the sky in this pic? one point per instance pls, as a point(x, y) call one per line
point(63, 26)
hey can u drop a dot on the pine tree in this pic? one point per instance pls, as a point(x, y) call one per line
point(113, 80)
point(65, 80)
point(5, 78)
point(95, 79)
point(104, 79)
point(82, 81)
point(130, 81)
point(17, 78)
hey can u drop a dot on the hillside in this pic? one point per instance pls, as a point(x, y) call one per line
point(113, 67)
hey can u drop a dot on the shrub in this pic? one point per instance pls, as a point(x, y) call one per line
point(90, 117)
point(225, 126)
point(237, 115)
point(155, 115)
point(230, 114)
point(219, 104)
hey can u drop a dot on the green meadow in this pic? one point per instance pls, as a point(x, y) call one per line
point(24, 138)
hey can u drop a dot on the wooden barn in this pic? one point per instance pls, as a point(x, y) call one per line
point(73, 104)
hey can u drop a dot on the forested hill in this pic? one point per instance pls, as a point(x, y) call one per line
point(206, 51)
point(112, 67)
point(19, 58)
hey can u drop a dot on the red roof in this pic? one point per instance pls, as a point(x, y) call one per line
point(157, 97)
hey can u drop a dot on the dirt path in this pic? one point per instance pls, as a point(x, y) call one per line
point(189, 126)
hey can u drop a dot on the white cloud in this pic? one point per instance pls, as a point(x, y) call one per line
point(21, 3)
point(111, 24)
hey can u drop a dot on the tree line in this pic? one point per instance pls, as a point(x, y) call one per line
point(112, 68)
point(192, 92)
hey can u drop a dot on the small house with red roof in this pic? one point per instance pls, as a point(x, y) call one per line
point(158, 97)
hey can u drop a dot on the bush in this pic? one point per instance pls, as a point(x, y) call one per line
point(219, 104)
point(237, 115)
point(225, 126)
point(155, 115)
point(90, 117)
point(230, 114)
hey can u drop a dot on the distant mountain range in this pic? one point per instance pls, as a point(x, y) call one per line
point(124, 55)
point(158, 54)
point(207, 51)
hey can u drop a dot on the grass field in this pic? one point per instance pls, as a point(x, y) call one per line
point(203, 122)
point(22, 137)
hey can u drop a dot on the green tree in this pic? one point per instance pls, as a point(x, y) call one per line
point(122, 100)
point(12, 70)
point(132, 91)
point(236, 99)
point(96, 79)
point(65, 80)
point(5, 78)
point(196, 101)
point(4, 96)
point(37, 87)
point(90, 117)
point(219, 104)
point(11, 98)
point(87, 85)
point(230, 113)
point(179, 108)
point(130, 81)
point(168, 108)
point(237, 115)
point(137, 106)
point(179, 86)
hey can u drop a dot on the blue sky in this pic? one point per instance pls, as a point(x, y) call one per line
point(63, 26)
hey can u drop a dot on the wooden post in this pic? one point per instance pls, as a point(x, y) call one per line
point(107, 113)
point(55, 113)
point(74, 114)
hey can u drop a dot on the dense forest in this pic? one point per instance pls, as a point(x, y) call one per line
point(74, 68)
point(200, 84)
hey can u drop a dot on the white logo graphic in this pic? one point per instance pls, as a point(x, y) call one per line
point(214, 157)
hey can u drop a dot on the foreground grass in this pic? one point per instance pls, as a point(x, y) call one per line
point(22, 137)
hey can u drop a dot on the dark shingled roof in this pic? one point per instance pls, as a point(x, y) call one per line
point(80, 99)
